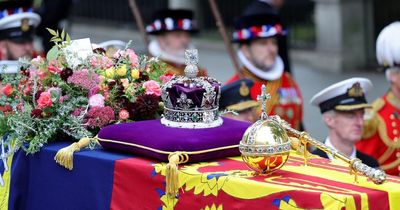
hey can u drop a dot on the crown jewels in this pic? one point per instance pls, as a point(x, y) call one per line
point(190, 101)
point(265, 145)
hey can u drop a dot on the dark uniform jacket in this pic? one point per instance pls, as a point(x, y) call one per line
point(366, 159)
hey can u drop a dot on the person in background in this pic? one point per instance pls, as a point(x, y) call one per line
point(236, 97)
point(17, 27)
point(259, 7)
point(257, 37)
point(381, 138)
point(342, 106)
point(173, 29)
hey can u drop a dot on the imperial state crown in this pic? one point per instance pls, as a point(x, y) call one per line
point(191, 101)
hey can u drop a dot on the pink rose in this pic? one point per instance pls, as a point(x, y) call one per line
point(96, 100)
point(53, 67)
point(123, 114)
point(7, 90)
point(133, 58)
point(44, 100)
point(152, 88)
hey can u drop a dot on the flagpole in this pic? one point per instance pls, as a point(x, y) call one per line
point(221, 28)
point(139, 21)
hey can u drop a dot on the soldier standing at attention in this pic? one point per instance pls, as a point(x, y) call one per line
point(381, 138)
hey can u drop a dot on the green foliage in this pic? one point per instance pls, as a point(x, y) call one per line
point(64, 38)
point(50, 92)
point(52, 54)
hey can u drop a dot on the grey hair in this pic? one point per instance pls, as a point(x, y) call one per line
point(330, 113)
point(390, 70)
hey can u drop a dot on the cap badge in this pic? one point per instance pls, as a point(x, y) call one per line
point(355, 90)
point(244, 90)
point(25, 24)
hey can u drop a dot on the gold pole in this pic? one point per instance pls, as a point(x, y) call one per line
point(356, 166)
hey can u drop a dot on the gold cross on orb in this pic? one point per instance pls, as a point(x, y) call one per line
point(263, 99)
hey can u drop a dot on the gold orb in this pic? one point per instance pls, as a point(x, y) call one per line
point(265, 146)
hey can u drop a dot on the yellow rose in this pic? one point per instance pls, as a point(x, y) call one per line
point(121, 71)
point(135, 73)
point(110, 72)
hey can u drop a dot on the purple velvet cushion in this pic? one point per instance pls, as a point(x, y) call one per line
point(152, 139)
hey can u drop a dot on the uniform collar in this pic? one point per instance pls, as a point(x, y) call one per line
point(274, 73)
point(329, 144)
point(393, 100)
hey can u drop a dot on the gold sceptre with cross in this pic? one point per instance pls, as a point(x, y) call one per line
point(247, 149)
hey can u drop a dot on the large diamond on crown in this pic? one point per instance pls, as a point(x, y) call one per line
point(190, 101)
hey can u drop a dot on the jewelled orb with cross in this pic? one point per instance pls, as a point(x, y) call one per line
point(263, 99)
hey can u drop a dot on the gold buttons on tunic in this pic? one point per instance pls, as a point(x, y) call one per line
point(394, 124)
point(398, 154)
point(395, 132)
point(392, 116)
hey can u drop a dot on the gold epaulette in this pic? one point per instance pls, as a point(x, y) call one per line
point(371, 122)
point(378, 104)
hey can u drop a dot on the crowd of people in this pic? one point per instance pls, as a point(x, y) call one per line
point(368, 131)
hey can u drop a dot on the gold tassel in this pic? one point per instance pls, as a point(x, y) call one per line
point(65, 156)
point(171, 174)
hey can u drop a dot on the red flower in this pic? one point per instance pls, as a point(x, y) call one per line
point(53, 67)
point(98, 117)
point(36, 113)
point(5, 109)
point(145, 107)
point(44, 100)
point(7, 90)
point(67, 72)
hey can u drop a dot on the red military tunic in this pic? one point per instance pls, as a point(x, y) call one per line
point(381, 137)
point(178, 69)
point(286, 100)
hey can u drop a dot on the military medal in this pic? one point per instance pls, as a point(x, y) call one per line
point(244, 90)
